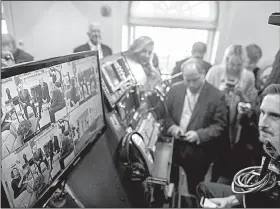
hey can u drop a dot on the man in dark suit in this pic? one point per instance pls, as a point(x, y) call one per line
point(57, 101)
point(197, 119)
point(39, 157)
point(94, 42)
point(25, 100)
point(43, 94)
point(198, 51)
point(51, 150)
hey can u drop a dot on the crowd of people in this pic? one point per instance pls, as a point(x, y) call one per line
point(219, 114)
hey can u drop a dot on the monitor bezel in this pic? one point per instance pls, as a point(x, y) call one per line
point(27, 67)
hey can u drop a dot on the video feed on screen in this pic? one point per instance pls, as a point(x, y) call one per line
point(48, 116)
point(112, 73)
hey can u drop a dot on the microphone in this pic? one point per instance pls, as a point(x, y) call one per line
point(264, 167)
point(174, 76)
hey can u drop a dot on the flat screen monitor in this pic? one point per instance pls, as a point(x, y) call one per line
point(52, 113)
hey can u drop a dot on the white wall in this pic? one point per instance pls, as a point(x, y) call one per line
point(246, 22)
point(52, 28)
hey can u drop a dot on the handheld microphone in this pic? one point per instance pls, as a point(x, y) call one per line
point(264, 168)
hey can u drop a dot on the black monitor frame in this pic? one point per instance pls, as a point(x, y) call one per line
point(28, 67)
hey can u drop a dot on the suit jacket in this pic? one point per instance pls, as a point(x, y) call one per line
point(209, 117)
point(24, 96)
point(43, 92)
point(21, 56)
point(177, 69)
point(50, 146)
point(107, 51)
point(57, 99)
point(38, 155)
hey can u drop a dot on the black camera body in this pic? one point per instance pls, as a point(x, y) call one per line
point(231, 83)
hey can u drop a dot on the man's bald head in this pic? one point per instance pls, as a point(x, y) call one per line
point(193, 74)
point(199, 50)
point(193, 63)
point(94, 33)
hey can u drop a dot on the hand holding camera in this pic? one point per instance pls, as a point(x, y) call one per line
point(243, 108)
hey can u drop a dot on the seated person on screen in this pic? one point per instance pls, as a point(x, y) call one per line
point(45, 91)
point(26, 162)
point(7, 124)
point(198, 51)
point(18, 183)
point(83, 83)
point(94, 42)
point(140, 57)
point(57, 101)
point(39, 158)
point(269, 129)
point(67, 147)
point(9, 137)
point(42, 95)
point(25, 100)
point(74, 97)
point(51, 150)
point(197, 118)
point(55, 74)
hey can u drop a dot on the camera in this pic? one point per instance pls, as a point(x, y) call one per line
point(231, 83)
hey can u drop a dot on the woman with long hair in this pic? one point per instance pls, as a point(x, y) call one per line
point(143, 62)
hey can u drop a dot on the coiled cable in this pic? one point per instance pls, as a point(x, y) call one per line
point(247, 180)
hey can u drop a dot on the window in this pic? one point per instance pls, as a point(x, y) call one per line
point(174, 26)
point(4, 28)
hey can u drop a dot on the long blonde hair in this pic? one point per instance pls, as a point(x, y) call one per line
point(234, 50)
point(138, 45)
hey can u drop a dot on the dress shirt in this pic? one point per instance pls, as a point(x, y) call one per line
point(96, 47)
point(189, 104)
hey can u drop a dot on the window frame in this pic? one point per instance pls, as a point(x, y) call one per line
point(210, 26)
point(3, 19)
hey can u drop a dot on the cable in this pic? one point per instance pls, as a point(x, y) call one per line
point(160, 101)
point(247, 180)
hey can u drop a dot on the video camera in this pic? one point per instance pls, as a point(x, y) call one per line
point(231, 83)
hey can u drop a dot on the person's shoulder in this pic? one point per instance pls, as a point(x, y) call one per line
point(248, 74)
point(106, 47)
point(177, 85)
point(207, 65)
point(213, 90)
point(179, 63)
point(216, 69)
point(82, 47)
point(23, 56)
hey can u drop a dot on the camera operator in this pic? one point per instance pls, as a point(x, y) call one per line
point(269, 129)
